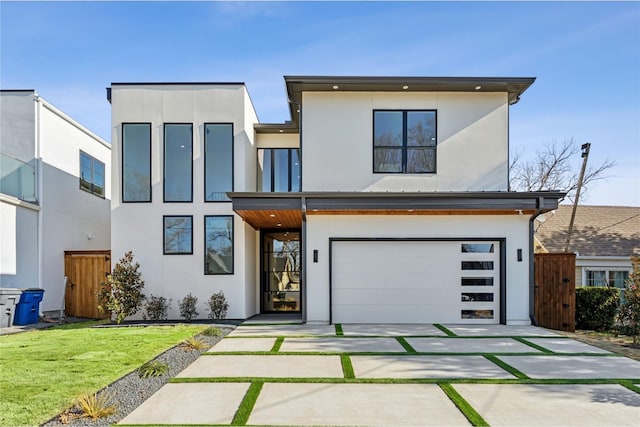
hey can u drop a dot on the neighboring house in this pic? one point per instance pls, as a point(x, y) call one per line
point(384, 199)
point(603, 238)
point(55, 185)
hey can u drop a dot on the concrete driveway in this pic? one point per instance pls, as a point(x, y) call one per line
point(413, 375)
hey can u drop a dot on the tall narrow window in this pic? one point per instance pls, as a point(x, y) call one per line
point(279, 170)
point(178, 163)
point(136, 162)
point(218, 154)
point(404, 141)
point(218, 244)
point(178, 235)
point(91, 175)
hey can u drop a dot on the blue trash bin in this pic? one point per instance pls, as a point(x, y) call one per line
point(28, 309)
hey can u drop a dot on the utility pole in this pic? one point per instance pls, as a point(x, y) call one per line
point(585, 156)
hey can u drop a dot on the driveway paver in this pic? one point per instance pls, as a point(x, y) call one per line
point(264, 367)
point(243, 344)
point(566, 345)
point(355, 404)
point(574, 367)
point(197, 403)
point(553, 405)
point(499, 330)
point(469, 345)
point(282, 330)
point(391, 330)
point(344, 345)
point(426, 367)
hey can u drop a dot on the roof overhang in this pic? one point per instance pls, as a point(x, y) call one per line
point(296, 85)
point(287, 210)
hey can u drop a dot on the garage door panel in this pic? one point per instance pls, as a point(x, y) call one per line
point(415, 281)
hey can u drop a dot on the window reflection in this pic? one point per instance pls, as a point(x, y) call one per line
point(279, 169)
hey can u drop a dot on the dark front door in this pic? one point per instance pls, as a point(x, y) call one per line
point(280, 278)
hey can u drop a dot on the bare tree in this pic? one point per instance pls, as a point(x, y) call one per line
point(555, 167)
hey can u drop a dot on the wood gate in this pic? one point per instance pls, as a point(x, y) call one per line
point(86, 271)
point(555, 291)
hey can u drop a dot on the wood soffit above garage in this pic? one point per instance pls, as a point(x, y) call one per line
point(287, 210)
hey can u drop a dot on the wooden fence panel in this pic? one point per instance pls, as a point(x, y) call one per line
point(555, 290)
point(86, 271)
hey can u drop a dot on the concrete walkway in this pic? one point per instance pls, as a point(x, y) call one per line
point(413, 375)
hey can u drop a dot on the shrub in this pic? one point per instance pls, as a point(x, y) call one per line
point(122, 294)
point(188, 307)
point(629, 314)
point(212, 332)
point(153, 368)
point(194, 344)
point(596, 307)
point(96, 405)
point(156, 308)
point(218, 306)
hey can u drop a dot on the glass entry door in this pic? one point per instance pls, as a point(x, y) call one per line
point(280, 271)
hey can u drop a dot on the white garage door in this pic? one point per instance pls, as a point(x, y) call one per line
point(377, 281)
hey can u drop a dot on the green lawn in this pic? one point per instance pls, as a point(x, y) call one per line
point(43, 371)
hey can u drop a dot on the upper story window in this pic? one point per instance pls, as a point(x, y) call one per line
point(404, 141)
point(91, 175)
point(218, 163)
point(178, 162)
point(279, 169)
point(136, 162)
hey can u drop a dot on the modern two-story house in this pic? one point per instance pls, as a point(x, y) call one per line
point(55, 187)
point(382, 200)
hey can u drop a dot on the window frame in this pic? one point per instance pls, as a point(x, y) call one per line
point(164, 227)
point(607, 272)
point(233, 245)
point(272, 177)
point(233, 170)
point(404, 147)
point(92, 182)
point(164, 163)
point(122, 171)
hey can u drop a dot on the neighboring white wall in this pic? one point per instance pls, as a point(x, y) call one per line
point(69, 215)
point(599, 263)
point(139, 227)
point(472, 137)
point(514, 228)
point(17, 125)
point(18, 245)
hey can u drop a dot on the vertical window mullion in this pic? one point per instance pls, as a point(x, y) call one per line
point(404, 142)
point(289, 170)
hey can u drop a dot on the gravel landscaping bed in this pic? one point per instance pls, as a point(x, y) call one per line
point(130, 391)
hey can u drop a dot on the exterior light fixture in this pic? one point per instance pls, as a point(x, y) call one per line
point(280, 130)
point(279, 225)
point(478, 87)
point(336, 86)
point(272, 215)
point(405, 87)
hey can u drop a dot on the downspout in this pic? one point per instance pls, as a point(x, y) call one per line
point(532, 281)
point(303, 259)
point(39, 193)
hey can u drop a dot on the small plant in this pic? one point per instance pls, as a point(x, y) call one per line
point(194, 343)
point(122, 294)
point(211, 332)
point(629, 313)
point(596, 307)
point(96, 405)
point(153, 368)
point(218, 306)
point(156, 308)
point(188, 307)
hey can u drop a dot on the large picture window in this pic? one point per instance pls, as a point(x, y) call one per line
point(279, 169)
point(178, 163)
point(178, 235)
point(136, 162)
point(218, 154)
point(91, 175)
point(404, 141)
point(218, 244)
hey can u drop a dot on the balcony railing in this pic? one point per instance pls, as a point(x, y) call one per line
point(17, 179)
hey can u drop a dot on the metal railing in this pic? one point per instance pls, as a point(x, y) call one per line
point(17, 178)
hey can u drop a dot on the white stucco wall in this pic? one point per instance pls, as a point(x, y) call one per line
point(472, 134)
point(513, 228)
point(139, 226)
point(17, 125)
point(69, 214)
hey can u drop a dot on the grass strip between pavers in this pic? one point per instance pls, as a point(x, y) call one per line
point(335, 380)
point(398, 353)
point(347, 367)
point(403, 342)
point(445, 330)
point(248, 402)
point(631, 386)
point(506, 367)
point(339, 331)
point(532, 345)
point(277, 344)
point(467, 410)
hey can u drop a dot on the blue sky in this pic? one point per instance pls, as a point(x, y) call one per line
point(585, 55)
